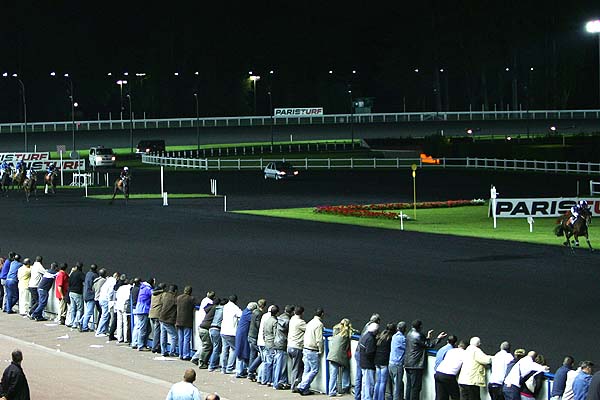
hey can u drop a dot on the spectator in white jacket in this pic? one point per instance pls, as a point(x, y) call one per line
point(231, 315)
point(37, 271)
point(123, 309)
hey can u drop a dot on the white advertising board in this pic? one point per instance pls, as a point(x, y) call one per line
point(298, 112)
point(40, 161)
point(541, 208)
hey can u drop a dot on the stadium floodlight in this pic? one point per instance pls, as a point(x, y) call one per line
point(593, 26)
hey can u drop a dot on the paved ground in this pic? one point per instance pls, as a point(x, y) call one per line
point(535, 296)
point(61, 362)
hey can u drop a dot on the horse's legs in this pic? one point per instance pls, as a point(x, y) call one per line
point(114, 195)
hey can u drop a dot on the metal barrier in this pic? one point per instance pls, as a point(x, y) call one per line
point(594, 188)
point(321, 381)
point(568, 167)
point(332, 119)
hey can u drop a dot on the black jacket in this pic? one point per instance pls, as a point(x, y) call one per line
point(368, 346)
point(208, 318)
point(382, 354)
point(14, 384)
point(416, 348)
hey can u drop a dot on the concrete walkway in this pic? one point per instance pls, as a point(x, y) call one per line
point(60, 362)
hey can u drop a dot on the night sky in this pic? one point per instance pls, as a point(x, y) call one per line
point(472, 41)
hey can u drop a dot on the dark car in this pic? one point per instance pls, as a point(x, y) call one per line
point(280, 170)
point(150, 146)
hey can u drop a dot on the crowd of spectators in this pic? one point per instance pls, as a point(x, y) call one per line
point(238, 341)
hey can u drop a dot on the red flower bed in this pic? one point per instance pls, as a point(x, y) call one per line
point(383, 210)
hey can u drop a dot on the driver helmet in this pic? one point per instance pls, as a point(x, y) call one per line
point(125, 168)
point(583, 204)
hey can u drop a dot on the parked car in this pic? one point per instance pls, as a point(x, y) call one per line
point(150, 146)
point(101, 156)
point(280, 170)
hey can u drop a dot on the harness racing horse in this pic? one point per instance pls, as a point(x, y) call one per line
point(575, 230)
point(123, 186)
point(30, 185)
point(50, 181)
point(5, 182)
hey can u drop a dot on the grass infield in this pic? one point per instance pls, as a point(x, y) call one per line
point(460, 221)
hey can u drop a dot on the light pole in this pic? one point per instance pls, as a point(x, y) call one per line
point(197, 125)
point(130, 125)
point(351, 115)
point(594, 27)
point(272, 118)
point(121, 82)
point(254, 78)
point(73, 105)
point(24, 104)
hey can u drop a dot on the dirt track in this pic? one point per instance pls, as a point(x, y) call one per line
point(535, 296)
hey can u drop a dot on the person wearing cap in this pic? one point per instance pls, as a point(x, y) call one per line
point(124, 173)
point(24, 275)
point(51, 168)
point(12, 284)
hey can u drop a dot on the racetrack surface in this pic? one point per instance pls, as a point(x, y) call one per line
point(539, 297)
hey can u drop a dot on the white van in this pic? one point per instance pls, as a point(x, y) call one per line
point(101, 156)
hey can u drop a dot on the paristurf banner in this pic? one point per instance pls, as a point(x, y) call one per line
point(298, 112)
point(540, 208)
point(41, 160)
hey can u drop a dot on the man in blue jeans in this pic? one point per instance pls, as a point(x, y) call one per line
point(88, 299)
point(12, 284)
point(313, 347)
point(43, 289)
point(396, 365)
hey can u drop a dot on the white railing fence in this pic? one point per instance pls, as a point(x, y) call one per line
point(568, 167)
point(374, 118)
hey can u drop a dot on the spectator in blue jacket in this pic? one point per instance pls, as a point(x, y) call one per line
point(12, 284)
point(581, 384)
point(560, 378)
point(142, 308)
point(396, 366)
point(3, 274)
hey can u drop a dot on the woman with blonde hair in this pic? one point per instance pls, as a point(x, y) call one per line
point(339, 357)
